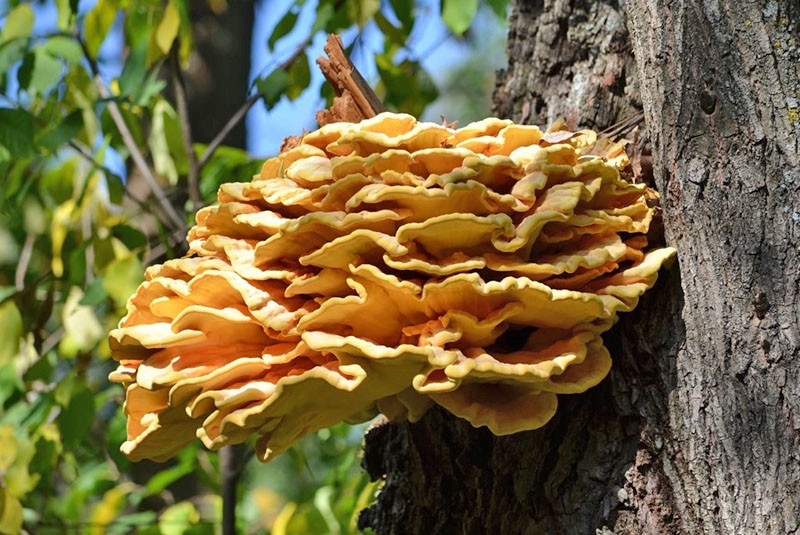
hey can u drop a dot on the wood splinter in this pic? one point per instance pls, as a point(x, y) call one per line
point(355, 100)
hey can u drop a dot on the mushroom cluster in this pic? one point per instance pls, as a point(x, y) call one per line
point(382, 267)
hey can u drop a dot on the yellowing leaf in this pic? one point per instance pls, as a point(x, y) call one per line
point(11, 327)
point(10, 513)
point(109, 507)
point(165, 33)
point(97, 23)
point(63, 217)
point(161, 133)
point(178, 518)
point(17, 452)
point(19, 22)
point(83, 330)
point(8, 446)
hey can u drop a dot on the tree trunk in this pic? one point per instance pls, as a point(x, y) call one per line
point(696, 428)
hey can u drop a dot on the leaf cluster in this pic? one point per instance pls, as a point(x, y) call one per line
point(99, 177)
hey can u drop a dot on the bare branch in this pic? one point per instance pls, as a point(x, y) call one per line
point(24, 260)
point(138, 158)
point(230, 125)
point(179, 86)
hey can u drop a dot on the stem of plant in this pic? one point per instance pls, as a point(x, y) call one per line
point(230, 464)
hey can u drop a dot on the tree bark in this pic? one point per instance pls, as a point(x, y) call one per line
point(696, 428)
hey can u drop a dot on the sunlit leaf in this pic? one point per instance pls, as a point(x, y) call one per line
point(65, 14)
point(10, 513)
point(165, 142)
point(11, 327)
point(81, 326)
point(19, 22)
point(165, 33)
point(458, 14)
point(14, 465)
point(63, 47)
point(63, 218)
point(122, 277)
point(97, 23)
point(108, 508)
point(178, 518)
point(361, 11)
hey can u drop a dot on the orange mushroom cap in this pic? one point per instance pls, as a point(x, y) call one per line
point(385, 266)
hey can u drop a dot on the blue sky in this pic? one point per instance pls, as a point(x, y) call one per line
point(266, 129)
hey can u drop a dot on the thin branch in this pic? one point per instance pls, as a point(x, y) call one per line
point(179, 86)
point(249, 103)
point(230, 125)
point(127, 138)
point(138, 158)
point(24, 260)
point(84, 152)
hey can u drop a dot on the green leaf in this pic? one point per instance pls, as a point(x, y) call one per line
point(284, 26)
point(165, 33)
point(122, 277)
point(10, 382)
point(97, 23)
point(325, 12)
point(273, 86)
point(63, 47)
point(458, 14)
point(165, 142)
point(76, 417)
point(361, 11)
point(19, 23)
point(65, 130)
point(25, 72)
point(95, 293)
point(404, 10)
point(300, 75)
point(499, 7)
point(65, 15)
point(10, 53)
point(47, 72)
point(132, 238)
point(11, 327)
point(389, 29)
point(134, 70)
point(7, 291)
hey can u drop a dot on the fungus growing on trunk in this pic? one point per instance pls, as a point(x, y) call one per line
point(383, 266)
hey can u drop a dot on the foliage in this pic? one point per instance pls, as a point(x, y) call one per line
point(76, 232)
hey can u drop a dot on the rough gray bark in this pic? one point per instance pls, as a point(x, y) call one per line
point(218, 74)
point(696, 429)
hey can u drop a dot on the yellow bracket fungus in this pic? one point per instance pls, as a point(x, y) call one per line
point(385, 266)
